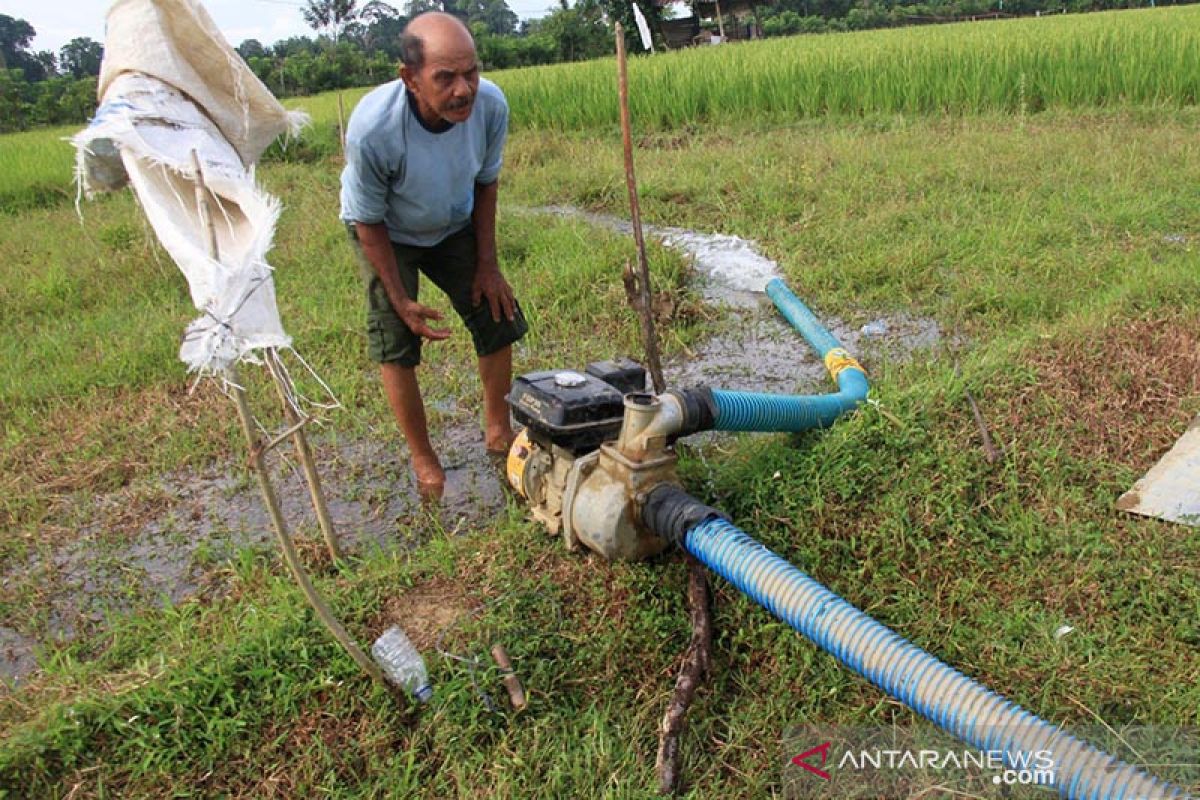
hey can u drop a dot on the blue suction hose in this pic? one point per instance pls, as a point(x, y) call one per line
point(956, 703)
point(752, 411)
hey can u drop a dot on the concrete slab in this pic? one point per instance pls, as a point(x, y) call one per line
point(1171, 489)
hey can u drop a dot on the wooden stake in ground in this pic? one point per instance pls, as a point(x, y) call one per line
point(698, 655)
point(296, 424)
point(695, 666)
point(990, 452)
point(258, 462)
point(304, 453)
point(638, 284)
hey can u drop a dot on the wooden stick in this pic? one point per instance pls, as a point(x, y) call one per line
point(273, 443)
point(696, 663)
point(697, 658)
point(516, 692)
point(341, 124)
point(214, 251)
point(290, 556)
point(990, 453)
point(304, 453)
point(649, 335)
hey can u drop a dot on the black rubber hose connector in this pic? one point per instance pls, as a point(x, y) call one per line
point(699, 409)
point(670, 512)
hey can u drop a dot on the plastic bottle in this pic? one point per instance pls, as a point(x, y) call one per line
point(401, 663)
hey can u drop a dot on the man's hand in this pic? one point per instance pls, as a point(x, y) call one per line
point(377, 247)
point(490, 284)
point(413, 314)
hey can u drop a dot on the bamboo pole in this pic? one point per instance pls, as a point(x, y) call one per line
point(698, 657)
point(307, 463)
point(258, 462)
point(649, 335)
point(341, 124)
point(290, 555)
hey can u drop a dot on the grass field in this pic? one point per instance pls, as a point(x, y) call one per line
point(1148, 57)
point(1058, 250)
point(36, 169)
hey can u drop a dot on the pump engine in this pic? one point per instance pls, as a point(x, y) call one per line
point(571, 462)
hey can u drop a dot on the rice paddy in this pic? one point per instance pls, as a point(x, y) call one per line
point(1148, 57)
point(1145, 57)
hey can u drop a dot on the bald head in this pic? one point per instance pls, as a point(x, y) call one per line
point(433, 31)
point(440, 68)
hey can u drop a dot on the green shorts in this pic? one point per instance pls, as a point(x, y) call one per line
point(450, 264)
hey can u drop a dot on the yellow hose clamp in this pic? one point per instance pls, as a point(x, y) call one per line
point(838, 359)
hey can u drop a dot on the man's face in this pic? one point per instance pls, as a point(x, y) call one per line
point(446, 84)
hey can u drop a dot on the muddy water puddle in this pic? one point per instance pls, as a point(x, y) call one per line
point(761, 352)
point(204, 519)
point(201, 520)
point(729, 270)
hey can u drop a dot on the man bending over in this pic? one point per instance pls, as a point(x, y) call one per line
point(418, 195)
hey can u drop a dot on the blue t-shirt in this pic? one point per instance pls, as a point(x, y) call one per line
point(419, 183)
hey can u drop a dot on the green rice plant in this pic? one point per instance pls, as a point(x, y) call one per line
point(1142, 57)
point(1133, 57)
point(1145, 57)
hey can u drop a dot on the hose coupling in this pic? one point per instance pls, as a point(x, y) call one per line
point(699, 409)
point(670, 512)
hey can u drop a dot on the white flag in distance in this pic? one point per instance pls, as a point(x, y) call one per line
point(643, 28)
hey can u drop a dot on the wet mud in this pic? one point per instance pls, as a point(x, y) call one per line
point(760, 352)
point(757, 350)
point(206, 518)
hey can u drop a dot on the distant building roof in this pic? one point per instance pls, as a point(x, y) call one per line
point(705, 9)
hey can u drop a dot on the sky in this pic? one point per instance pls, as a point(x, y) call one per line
point(59, 21)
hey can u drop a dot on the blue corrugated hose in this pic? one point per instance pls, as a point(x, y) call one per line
point(802, 319)
point(753, 411)
point(938, 692)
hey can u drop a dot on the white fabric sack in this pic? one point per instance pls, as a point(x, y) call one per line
point(177, 42)
point(171, 85)
point(145, 132)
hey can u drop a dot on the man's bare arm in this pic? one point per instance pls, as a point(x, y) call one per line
point(489, 282)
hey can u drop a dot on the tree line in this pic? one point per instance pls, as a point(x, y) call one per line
point(358, 44)
point(45, 88)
